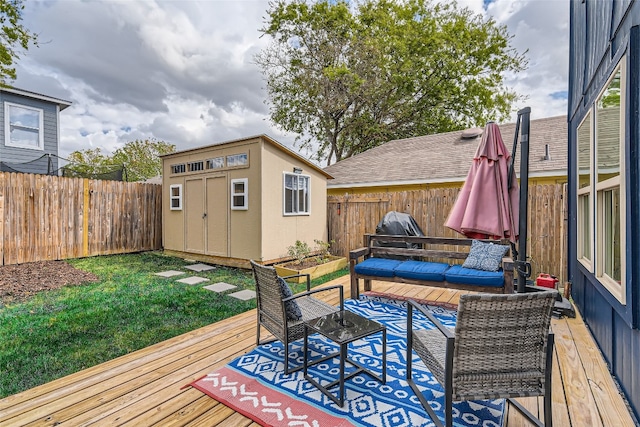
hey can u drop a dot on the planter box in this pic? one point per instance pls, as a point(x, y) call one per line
point(337, 263)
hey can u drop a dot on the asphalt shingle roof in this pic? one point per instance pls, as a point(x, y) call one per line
point(446, 157)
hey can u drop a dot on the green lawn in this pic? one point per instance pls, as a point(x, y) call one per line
point(59, 332)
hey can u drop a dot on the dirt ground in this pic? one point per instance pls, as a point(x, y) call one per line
point(18, 282)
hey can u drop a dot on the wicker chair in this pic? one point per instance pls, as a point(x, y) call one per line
point(501, 348)
point(272, 313)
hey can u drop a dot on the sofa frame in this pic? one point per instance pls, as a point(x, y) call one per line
point(450, 250)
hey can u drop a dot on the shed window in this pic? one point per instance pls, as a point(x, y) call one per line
point(181, 168)
point(196, 166)
point(175, 196)
point(296, 194)
point(237, 160)
point(601, 201)
point(23, 126)
point(239, 194)
point(216, 163)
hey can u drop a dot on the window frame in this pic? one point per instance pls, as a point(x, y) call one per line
point(618, 290)
point(598, 192)
point(7, 126)
point(295, 195)
point(586, 191)
point(244, 194)
point(177, 197)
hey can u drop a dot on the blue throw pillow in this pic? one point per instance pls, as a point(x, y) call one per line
point(485, 256)
point(291, 308)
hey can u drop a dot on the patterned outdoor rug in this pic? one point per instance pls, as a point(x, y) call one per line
point(255, 385)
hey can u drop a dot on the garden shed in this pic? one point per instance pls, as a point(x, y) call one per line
point(245, 199)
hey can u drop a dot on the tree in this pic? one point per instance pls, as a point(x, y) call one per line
point(14, 38)
point(140, 160)
point(347, 77)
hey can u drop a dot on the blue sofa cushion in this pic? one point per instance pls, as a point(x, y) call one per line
point(470, 276)
point(380, 267)
point(418, 270)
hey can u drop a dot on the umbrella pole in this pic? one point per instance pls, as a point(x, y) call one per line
point(522, 266)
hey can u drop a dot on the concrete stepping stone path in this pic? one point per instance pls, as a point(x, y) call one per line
point(220, 287)
point(193, 280)
point(170, 273)
point(244, 295)
point(200, 267)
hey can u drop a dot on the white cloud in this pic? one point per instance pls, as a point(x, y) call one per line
point(183, 72)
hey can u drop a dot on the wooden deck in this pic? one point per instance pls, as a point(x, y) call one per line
point(145, 387)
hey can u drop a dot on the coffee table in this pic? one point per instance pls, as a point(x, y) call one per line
point(343, 327)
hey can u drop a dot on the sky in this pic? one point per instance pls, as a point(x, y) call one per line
point(183, 71)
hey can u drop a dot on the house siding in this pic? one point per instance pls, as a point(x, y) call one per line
point(23, 158)
point(601, 33)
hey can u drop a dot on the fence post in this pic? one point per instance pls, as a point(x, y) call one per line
point(85, 218)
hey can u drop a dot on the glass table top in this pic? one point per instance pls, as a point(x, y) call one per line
point(344, 326)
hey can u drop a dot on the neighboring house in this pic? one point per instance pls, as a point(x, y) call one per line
point(604, 180)
point(31, 131)
point(443, 160)
point(239, 200)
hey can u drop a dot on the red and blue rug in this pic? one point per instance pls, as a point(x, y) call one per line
point(255, 385)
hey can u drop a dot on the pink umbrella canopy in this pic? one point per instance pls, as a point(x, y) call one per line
point(486, 208)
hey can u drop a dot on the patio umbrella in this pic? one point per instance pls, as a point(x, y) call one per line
point(486, 208)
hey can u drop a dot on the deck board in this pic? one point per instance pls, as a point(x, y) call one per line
point(146, 387)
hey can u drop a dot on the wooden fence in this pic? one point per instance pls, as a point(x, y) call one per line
point(50, 218)
point(351, 216)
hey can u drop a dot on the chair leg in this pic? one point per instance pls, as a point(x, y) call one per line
point(425, 403)
point(548, 418)
point(448, 409)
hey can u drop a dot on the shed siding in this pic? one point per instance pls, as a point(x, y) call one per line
point(50, 133)
point(281, 231)
point(601, 32)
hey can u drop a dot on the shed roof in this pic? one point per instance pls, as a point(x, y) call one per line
point(265, 138)
point(60, 102)
point(446, 157)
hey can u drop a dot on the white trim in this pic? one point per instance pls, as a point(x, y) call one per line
point(244, 194)
point(177, 197)
point(588, 190)
point(307, 212)
point(60, 102)
point(7, 126)
point(618, 290)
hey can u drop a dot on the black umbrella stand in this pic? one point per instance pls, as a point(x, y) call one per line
point(523, 267)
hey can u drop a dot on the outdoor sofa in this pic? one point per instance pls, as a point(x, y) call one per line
point(432, 261)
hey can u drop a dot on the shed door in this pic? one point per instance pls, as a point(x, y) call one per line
point(217, 216)
point(194, 215)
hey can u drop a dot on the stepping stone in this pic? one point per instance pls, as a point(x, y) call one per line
point(244, 295)
point(220, 287)
point(200, 267)
point(193, 280)
point(169, 273)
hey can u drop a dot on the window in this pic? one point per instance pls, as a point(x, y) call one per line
point(181, 168)
point(175, 196)
point(296, 194)
point(585, 207)
point(237, 160)
point(23, 126)
point(239, 194)
point(196, 166)
point(217, 163)
point(600, 192)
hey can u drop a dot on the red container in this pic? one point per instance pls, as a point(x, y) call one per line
point(547, 281)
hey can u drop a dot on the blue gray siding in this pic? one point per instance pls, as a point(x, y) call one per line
point(17, 156)
point(601, 32)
